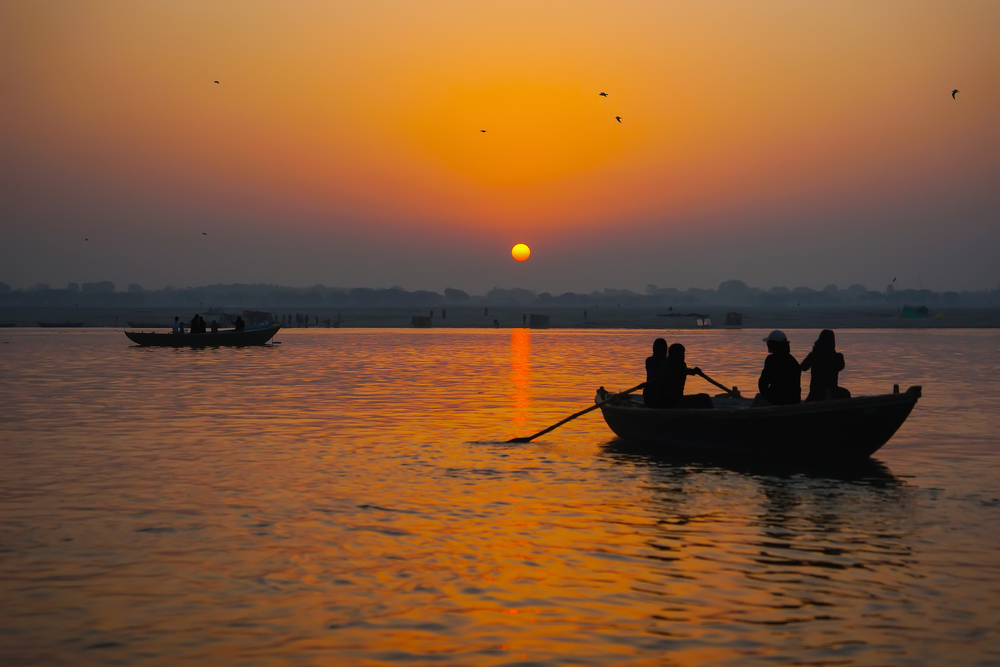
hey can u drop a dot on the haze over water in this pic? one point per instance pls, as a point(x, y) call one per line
point(341, 498)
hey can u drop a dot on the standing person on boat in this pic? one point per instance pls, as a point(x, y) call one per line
point(654, 370)
point(240, 325)
point(780, 382)
point(177, 324)
point(826, 364)
point(672, 383)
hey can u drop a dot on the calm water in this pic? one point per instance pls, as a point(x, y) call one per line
point(336, 499)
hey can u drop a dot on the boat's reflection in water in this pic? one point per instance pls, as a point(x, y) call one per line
point(747, 544)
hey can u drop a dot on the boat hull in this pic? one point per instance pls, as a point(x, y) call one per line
point(219, 339)
point(853, 428)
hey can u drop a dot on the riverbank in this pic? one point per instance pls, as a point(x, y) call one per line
point(508, 317)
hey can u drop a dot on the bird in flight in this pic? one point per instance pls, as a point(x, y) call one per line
point(482, 130)
point(603, 94)
point(204, 233)
point(618, 118)
point(86, 239)
point(953, 94)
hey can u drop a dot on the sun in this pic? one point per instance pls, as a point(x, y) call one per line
point(520, 252)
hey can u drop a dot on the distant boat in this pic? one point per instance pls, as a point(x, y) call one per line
point(60, 325)
point(849, 428)
point(228, 338)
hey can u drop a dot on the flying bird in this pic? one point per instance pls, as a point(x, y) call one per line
point(204, 233)
point(217, 82)
point(618, 118)
point(86, 239)
point(482, 130)
point(953, 94)
point(603, 94)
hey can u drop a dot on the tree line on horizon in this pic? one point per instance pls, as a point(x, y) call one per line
point(729, 293)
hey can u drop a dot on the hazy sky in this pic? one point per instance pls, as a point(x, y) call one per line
point(792, 143)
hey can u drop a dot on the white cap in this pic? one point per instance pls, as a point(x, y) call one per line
point(776, 336)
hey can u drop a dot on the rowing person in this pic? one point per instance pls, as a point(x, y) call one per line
point(668, 383)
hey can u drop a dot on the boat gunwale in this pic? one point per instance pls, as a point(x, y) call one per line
point(813, 407)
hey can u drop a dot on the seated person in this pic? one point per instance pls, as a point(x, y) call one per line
point(654, 367)
point(780, 382)
point(670, 383)
point(239, 325)
point(826, 364)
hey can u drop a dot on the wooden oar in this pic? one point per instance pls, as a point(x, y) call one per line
point(574, 416)
point(734, 393)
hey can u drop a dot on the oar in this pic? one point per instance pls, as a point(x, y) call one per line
point(574, 416)
point(734, 393)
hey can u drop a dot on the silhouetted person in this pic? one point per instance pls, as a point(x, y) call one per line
point(524, 320)
point(584, 316)
point(654, 370)
point(496, 324)
point(180, 327)
point(239, 324)
point(444, 314)
point(671, 383)
point(215, 327)
point(780, 382)
point(825, 363)
point(486, 312)
point(176, 326)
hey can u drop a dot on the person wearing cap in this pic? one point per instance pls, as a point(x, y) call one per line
point(825, 363)
point(780, 382)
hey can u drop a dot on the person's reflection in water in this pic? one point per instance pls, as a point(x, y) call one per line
point(670, 386)
point(780, 382)
point(826, 364)
point(654, 370)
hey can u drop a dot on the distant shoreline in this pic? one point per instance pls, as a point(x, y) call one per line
point(513, 317)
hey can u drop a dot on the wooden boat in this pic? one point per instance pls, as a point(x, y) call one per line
point(61, 325)
point(227, 338)
point(853, 428)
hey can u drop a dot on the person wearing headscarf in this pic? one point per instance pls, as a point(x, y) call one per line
point(825, 363)
point(780, 382)
point(654, 372)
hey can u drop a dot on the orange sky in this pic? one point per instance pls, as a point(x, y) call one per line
point(357, 125)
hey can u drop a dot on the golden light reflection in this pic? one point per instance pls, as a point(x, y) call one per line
point(520, 377)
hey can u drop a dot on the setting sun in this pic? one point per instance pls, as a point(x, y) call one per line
point(520, 252)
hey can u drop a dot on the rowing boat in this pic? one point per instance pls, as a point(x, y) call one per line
point(850, 428)
point(228, 338)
